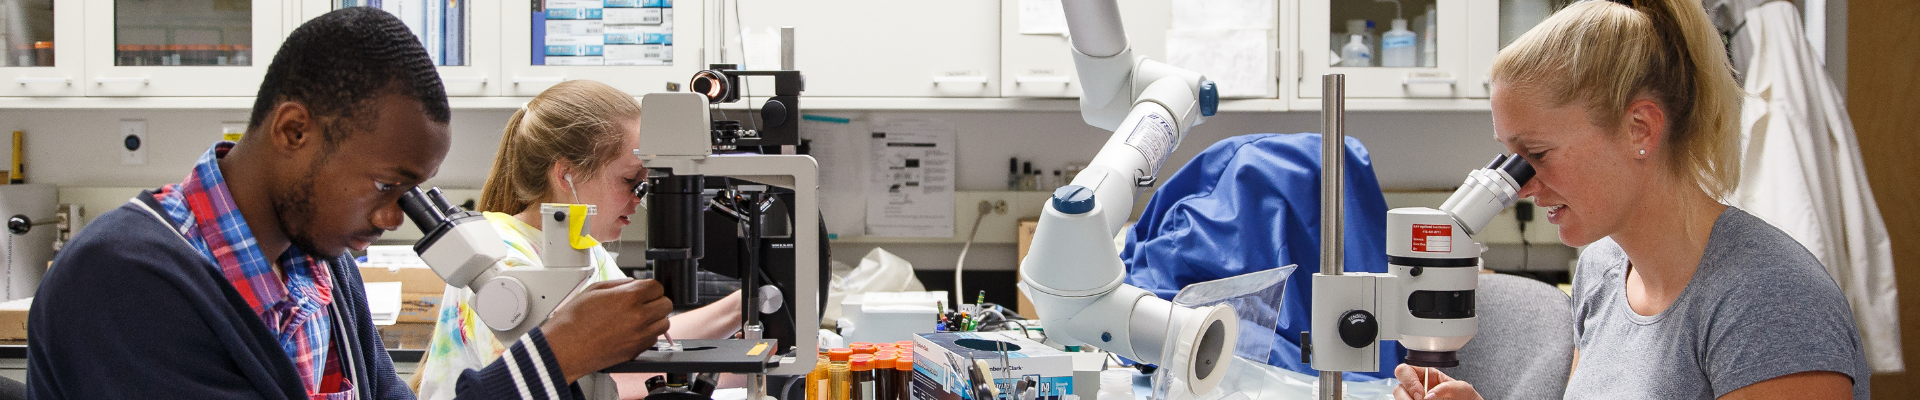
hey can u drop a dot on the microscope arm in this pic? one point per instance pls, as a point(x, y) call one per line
point(1073, 274)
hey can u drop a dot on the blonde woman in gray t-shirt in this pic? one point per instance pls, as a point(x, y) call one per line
point(1627, 111)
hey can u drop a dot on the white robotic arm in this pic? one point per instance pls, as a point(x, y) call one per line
point(463, 248)
point(1073, 274)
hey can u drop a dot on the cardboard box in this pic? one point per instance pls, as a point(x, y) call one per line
point(420, 289)
point(419, 307)
point(412, 278)
point(1027, 226)
point(941, 366)
point(406, 335)
point(13, 319)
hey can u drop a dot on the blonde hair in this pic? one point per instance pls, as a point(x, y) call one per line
point(1610, 54)
point(580, 122)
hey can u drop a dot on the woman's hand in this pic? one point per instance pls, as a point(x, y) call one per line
point(1417, 383)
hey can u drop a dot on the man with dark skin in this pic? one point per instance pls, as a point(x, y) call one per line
point(238, 281)
point(290, 192)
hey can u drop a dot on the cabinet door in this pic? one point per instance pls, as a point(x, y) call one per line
point(180, 47)
point(1493, 26)
point(1442, 77)
point(639, 46)
point(462, 36)
point(42, 47)
point(1041, 65)
point(883, 48)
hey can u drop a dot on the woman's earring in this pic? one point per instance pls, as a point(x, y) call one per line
point(1643, 152)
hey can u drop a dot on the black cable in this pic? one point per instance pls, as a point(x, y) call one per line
point(1525, 248)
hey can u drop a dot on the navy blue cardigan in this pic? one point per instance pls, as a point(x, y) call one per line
point(130, 310)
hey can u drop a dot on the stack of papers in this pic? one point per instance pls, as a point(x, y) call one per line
point(383, 300)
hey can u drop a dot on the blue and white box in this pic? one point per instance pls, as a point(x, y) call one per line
point(638, 3)
point(574, 13)
point(941, 366)
point(580, 60)
point(638, 16)
point(638, 34)
point(561, 50)
point(638, 54)
point(575, 32)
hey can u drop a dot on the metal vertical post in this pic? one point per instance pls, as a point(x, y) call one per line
point(1333, 151)
point(786, 48)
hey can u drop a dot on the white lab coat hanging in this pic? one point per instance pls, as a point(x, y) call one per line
point(1801, 172)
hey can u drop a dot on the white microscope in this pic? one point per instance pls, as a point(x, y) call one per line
point(462, 247)
point(1072, 273)
point(1426, 299)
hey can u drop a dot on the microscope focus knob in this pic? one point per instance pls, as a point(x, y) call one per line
point(501, 303)
point(1358, 328)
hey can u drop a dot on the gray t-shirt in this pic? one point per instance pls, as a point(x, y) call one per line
point(1759, 307)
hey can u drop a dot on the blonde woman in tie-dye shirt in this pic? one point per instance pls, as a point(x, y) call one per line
point(571, 144)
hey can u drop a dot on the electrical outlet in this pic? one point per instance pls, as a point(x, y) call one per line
point(133, 142)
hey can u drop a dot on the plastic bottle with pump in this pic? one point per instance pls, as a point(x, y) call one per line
point(1355, 53)
point(1397, 46)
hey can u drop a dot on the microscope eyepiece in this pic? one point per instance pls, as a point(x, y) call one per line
point(417, 205)
point(1518, 168)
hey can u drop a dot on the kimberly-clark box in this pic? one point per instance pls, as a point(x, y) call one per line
point(943, 367)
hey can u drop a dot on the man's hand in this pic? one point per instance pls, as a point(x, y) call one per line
point(605, 324)
point(1436, 385)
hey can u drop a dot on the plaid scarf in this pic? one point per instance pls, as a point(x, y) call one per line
point(294, 309)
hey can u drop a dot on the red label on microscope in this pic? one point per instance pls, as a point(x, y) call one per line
point(1429, 238)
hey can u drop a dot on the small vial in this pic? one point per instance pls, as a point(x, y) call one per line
point(904, 345)
point(817, 379)
point(863, 380)
point(883, 377)
point(1056, 182)
point(863, 348)
point(1027, 178)
point(43, 53)
point(839, 355)
point(1013, 174)
point(837, 379)
point(903, 373)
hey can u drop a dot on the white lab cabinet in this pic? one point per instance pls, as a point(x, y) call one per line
point(469, 60)
point(520, 77)
point(53, 69)
point(883, 48)
point(1041, 65)
point(166, 48)
point(1484, 24)
point(1457, 44)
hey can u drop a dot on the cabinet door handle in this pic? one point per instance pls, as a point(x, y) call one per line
point(27, 80)
point(1428, 80)
point(538, 79)
point(119, 79)
point(464, 79)
point(975, 79)
point(1040, 79)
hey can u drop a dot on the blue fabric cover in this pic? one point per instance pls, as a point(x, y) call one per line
point(1252, 203)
